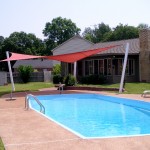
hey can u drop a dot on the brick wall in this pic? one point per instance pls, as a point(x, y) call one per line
point(144, 38)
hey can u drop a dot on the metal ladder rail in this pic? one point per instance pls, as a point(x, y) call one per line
point(42, 108)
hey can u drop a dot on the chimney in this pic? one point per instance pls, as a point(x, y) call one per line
point(145, 39)
point(144, 58)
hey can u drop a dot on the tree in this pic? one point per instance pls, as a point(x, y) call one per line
point(88, 34)
point(25, 73)
point(103, 33)
point(100, 31)
point(143, 26)
point(21, 42)
point(97, 34)
point(57, 69)
point(1, 43)
point(58, 31)
point(122, 32)
point(1, 39)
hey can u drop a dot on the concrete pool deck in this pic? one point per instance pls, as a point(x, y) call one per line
point(27, 130)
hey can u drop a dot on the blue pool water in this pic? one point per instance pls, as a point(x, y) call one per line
point(95, 116)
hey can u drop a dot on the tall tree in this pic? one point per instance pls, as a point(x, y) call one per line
point(143, 26)
point(1, 39)
point(122, 32)
point(21, 42)
point(103, 33)
point(89, 34)
point(58, 31)
point(100, 31)
point(1, 43)
point(97, 34)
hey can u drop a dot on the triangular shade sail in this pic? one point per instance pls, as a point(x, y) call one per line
point(73, 57)
point(16, 56)
point(70, 58)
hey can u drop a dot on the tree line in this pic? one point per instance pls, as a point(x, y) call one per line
point(58, 31)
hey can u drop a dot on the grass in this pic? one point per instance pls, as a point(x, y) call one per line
point(20, 87)
point(1, 145)
point(136, 88)
point(130, 88)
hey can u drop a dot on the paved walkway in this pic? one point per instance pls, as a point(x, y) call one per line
point(28, 130)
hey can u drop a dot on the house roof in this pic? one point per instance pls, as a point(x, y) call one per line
point(79, 44)
point(134, 47)
point(35, 63)
point(74, 44)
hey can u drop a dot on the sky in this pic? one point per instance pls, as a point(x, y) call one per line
point(31, 16)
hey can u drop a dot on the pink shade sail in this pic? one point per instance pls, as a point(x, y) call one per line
point(16, 56)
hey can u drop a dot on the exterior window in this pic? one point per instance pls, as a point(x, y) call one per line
point(109, 70)
point(80, 67)
point(101, 66)
point(96, 70)
point(70, 68)
point(104, 66)
point(130, 67)
point(117, 64)
point(89, 67)
point(120, 65)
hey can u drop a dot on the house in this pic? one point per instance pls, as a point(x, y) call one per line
point(38, 65)
point(109, 63)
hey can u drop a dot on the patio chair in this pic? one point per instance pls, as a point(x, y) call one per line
point(145, 93)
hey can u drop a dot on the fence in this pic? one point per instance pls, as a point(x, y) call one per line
point(3, 78)
point(35, 77)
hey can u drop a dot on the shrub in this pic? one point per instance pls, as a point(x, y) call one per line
point(25, 72)
point(70, 80)
point(57, 69)
point(93, 79)
point(57, 78)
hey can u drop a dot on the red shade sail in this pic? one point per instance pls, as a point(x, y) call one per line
point(16, 56)
point(73, 57)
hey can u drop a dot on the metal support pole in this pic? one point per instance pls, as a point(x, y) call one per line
point(11, 76)
point(124, 68)
point(75, 69)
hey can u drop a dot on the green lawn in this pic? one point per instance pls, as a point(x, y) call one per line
point(130, 88)
point(136, 88)
point(1, 145)
point(32, 86)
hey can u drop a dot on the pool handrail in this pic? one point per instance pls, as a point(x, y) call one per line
point(42, 108)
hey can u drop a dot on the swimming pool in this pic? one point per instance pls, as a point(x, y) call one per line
point(96, 116)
